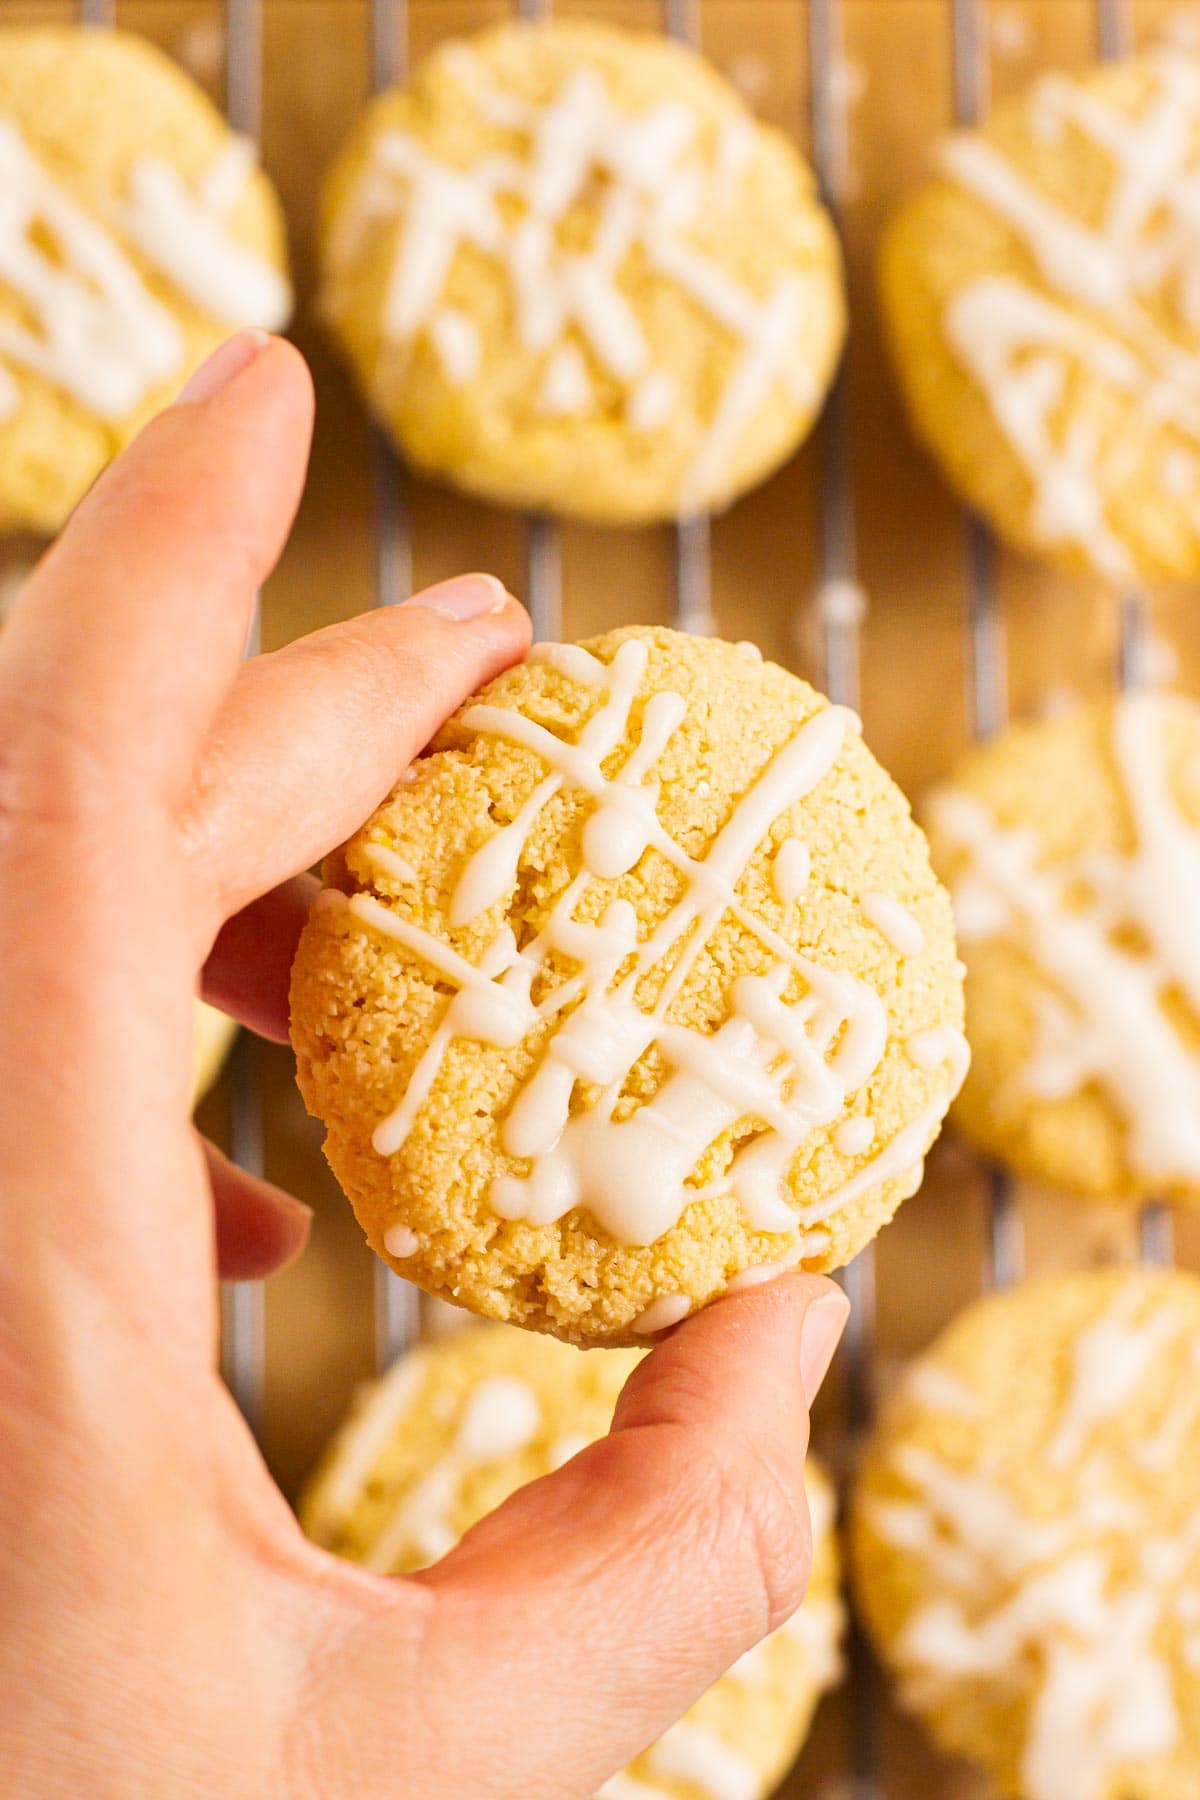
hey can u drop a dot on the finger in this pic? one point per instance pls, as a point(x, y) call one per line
point(314, 736)
point(250, 965)
point(131, 628)
point(636, 1574)
point(259, 1228)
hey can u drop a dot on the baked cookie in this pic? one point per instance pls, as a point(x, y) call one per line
point(1027, 1551)
point(639, 987)
point(1072, 850)
point(214, 1032)
point(452, 1430)
point(1042, 297)
point(136, 232)
point(572, 272)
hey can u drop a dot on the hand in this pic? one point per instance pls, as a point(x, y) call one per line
point(166, 1629)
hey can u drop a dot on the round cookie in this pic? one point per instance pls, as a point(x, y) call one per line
point(1042, 297)
point(572, 272)
point(640, 986)
point(136, 233)
point(454, 1428)
point(1072, 850)
point(1026, 1551)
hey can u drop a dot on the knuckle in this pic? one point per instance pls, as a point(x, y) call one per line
point(778, 1526)
point(749, 1521)
point(52, 773)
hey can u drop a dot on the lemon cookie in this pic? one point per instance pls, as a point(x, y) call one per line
point(1042, 296)
point(571, 271)
point(452, 1430)
point(136, 232)
point(1072, 850)
point(639, 987)
point(1027, 1551)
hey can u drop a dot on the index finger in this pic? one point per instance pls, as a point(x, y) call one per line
point(131, 628)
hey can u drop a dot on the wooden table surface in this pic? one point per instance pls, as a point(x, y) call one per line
point(896, 83)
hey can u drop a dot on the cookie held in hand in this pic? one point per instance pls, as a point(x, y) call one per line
point(640, 985)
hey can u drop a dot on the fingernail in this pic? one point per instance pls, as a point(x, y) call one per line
point(227, 361)
point(466, 597)
point(820, 1335)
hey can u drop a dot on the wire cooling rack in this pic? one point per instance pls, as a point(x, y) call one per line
point(836, 610)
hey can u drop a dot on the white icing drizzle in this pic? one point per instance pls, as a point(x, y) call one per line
point(455, 337)
point(382, 857)
point(94, 328)
point(661, 1314)
point(1104, 1021)
point(571, 661)
point(788, 1066)
point(992, 324)
point(854, 1135)
point(98, 332)
point(502, 1416)
point(755, 1276)
point(566, 386)
point(1158, 1449)
point(651, 180)
point(652, 401)
point(1042, 1607)
point(894, 923)
point(1180, 473)
point(182, 231)
point(902, 1157)
point(1019, 344)
point(400, 1242)
point(1109, 1363)
point(330, 900)
point(791, 867)
point(931, 1385)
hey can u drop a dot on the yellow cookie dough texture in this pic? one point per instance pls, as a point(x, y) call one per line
point(1041, 297)
point(1026, 1549)
point(136, 234)
point(572, 272)
point(1072, 850)
point(588, 1169)
point(455, 1428)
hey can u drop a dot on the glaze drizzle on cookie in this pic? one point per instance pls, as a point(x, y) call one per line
point(798, 1041)
point(1066, 1609)
point(1100, 308)
point(652, 181)
point(96, 330)
point(1103, 1018)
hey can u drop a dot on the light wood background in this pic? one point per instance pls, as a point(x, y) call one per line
point(896, 82)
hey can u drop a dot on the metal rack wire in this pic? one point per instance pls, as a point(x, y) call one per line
point(839, 609)
point(243, 1304)
point(983, 622)
point(1114, 37)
